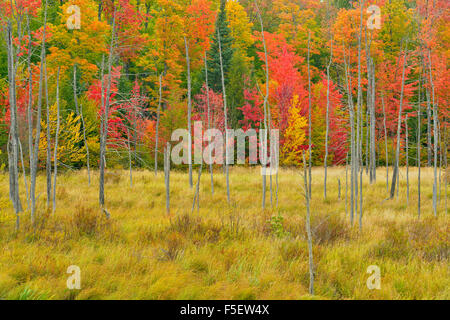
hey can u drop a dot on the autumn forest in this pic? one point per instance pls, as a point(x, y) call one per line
point(107, 108)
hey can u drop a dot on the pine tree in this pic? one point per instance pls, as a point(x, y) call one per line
point(214, 74)
point(238, 70)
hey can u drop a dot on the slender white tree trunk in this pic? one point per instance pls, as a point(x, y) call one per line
point(188, 63)
point(55, 156)
point(225, 112)
point(158, 113)
point(327, 121)
point(104, 133)
point(308, 227)
point(395, 175)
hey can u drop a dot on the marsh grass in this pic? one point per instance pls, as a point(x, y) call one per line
point(222, 252)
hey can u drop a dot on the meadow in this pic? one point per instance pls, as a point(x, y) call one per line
point(223, 251)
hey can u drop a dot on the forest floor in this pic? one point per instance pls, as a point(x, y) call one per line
point(222, 251)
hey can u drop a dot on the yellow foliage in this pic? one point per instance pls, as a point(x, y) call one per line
point(240, 27)
point(295, 135)
point(71, 149)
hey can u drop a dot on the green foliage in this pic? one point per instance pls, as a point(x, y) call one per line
point(276, 224)
point(214, 74)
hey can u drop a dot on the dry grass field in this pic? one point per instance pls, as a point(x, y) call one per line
point(223, 251)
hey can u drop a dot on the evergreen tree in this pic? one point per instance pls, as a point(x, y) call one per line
point(238, 71)
point(214, 75)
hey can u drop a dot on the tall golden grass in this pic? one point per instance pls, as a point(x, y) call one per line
point(235, 251)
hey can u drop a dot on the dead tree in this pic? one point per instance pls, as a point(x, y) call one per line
point(265, 105)
point(308, 226)
point(13, 139)
point(85, 145)
point(104, 120)
point(75, 98)
point(429, 145)
point(167, 175)
point(435, 133)
point(158, 115)
point(359, 125)
point(188, 63)
point(352, 139)
point(395, 174)
point(419, 145)
point(225, 112)
point(386, 145)
point(55, 156)
point(309, 119)
point(208, 104)
point(130, 162)
point(48, 163)
point(407, 159)
point(35, 153)
point(327, 121)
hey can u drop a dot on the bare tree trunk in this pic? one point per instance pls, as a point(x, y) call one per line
point(208, 103)
point(386, 145)
point(225, 112)
point(352, 139)
point(167, 175)
point(308, 227)
point(346, 186)
point(55, 160)
point(48, 164)
point(25, 182)
point(359, 125)
point(266, 111)
point(130, 163)
point(13, 144)
point(419, 145)
point(75, 98)
point(373, 122)
point(104, 133)
point(86, 145)
point(157, 124)
point(327, 120)
point(309, 120)
point(191, 184)
point(197, 191)
point(30, 110)
point(440, 158)
point(435, 134)
point(446, 178)
point(429, 146)
point(35, 157)
point(407, 159)
point(395, 175)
